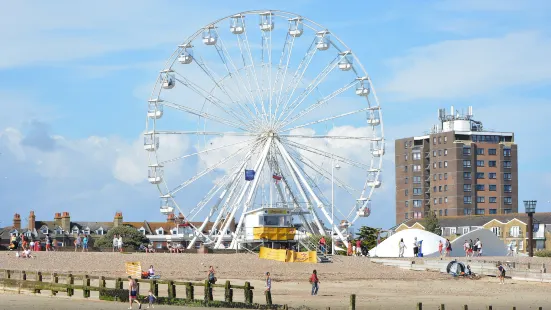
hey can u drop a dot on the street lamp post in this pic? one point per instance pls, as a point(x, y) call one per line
point(530, 209)
point(333, 167)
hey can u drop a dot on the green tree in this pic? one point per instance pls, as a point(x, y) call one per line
point(431, 223)
point(131, 237)
point(368, 235)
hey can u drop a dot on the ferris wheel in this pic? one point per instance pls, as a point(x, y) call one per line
point(264, 109)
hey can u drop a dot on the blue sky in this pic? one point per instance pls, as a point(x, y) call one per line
point(74, 80)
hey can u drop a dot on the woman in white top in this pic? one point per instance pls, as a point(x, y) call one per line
point(402, 247)
point(115, 243)
point(478, 247)
point(120, 244)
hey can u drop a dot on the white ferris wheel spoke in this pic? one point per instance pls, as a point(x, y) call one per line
point(287, 51)
point(323, 120)
point(249, 71)
point(204, 172)
point(203, 114)
point(313, 85)
point(202, 133)
point(318, 104)
point(204, 151)
point(290, 136)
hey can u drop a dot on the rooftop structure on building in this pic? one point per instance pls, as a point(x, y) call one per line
point(459, 167)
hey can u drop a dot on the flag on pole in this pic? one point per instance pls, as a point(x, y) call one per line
point(249, 175)
point(276, 177)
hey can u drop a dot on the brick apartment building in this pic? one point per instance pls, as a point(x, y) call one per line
point(459, 168)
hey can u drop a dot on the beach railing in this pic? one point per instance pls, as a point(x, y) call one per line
point(419, 305)
point(112, 288)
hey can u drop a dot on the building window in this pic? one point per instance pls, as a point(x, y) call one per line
point(416, 156)
point(480, 163)
point(506, 152)
point(480, 175)
point(480, 199)
point(445, 152)
point(416, 180)
point(445, 199)
point(492, 152)
point(417, 191)
point(417, 215)
point(142, 230)
point(416, 167)
point(434, 165)
point(434, 140)
point(508, 200)
point(480, 211)
point(497, 231)
point(466, 151)
point(440, 176)
point(406, 192)
point(506, 164)
point(492, 163)
point(467, 187)
point(445, 188)
point(507, 176)
point(507, 188)
point(466, 175)
point(440, 188)
point(406, 215)
point(406, 180)
point(493, 199)
point(445, 139)
point(467, 211)
point(467, 199)
point(406, 168)
point(417, 203)
point(434, 189)
point(445, 164)
point(406, 157)
point(434, 177)
point(433, 153)
point(445, 212)
point(439, 212)
point(507, 211)
point(492, 211)
point(439, 140)
point(405, 144)
point(492, 175)
point(439, 152)
point(492, 187)
point(440, 200)
point(435, 201)
point(406, 204)
point(466, 164)
point(479, 151)
point(480, 187)
point(445, 175)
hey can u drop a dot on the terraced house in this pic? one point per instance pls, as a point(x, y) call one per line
point(511, 228)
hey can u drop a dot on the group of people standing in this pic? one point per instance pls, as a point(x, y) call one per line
point(117, 243)
point(472, 249)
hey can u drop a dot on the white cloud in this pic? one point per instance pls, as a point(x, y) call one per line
point(466, 68)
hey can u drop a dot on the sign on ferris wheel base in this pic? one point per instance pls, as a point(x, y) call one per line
point(288, 256)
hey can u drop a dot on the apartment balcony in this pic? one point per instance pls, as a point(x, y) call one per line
point(515, 235)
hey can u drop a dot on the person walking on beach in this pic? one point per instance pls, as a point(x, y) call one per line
point(115, 243)
point(150, 299)
point(402, 247)
point(322, 245)
point(120, 244)
point(415, 247)
point(268, 284)
point(440, 247)
point(501, 273)
point(510, 249)
point(448, 247)
point(314, 280)
point(478, 246)
point(466, 248)
point(133, 292)
point(211, 275)
point(358, 247)
point(85, 244)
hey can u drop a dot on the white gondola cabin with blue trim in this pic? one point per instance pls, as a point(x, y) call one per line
point(169, 81)
point(237, 24)
point(364, 207)
point(155, 174)
point(362, 89)
point(345, 63)
point(154, 108)
point(186, 56)
point(266, 21)
point(167, 205)
point(151, 142)
point(210, 37)
point(323, 40)
point(296, 27)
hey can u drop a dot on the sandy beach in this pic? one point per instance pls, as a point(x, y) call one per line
point(376, 286)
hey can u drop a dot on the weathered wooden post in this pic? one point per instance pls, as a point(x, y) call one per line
point(154, 287)
point(353, 302)
point(419, 306)
point(489, 308)
point(465, 307)
point(248, 293)
point(119, 284)
point(228, 295)
point(171, 289)
point(24, 275)
point(8, 274)
point(102, 282)
point(86, 284)
point(208, 291)
point(442, 307)
point(70, 281)
point(189, 291)
point(38, 279)
point(514, 308)
point(55, 280)
point(268, 298)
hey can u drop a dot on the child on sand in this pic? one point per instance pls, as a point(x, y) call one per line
point(501, 273)
point(315, 282)
point(150, 299)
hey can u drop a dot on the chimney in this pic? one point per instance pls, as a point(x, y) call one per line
point(170, 217)
point(17, 221)
point(181, 216)
point(117, 221)
point(32, 220)
point(57, 220)
point(66, 221)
